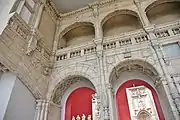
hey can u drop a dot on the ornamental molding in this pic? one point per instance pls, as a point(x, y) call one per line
point(133, 65)
point(74, 25)
point(62, 87)
point(18, 25)
point(119, 12)
point(31, 35)
point(51, 5)
point(50, 8)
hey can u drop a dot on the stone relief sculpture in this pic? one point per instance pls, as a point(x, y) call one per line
point(95, 107)
point(141, 104)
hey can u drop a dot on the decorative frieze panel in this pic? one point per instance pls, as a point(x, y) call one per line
point(19, 26)
point(141, 103)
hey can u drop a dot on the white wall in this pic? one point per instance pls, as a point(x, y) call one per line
point(6, 85)
point(5, 7)
point(22, 103)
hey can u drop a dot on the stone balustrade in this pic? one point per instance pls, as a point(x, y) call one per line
point(176, 31)
point(162, 34)
point(123, 39)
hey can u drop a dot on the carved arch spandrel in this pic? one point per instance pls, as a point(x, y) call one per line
point(62, 73)
point(134, 64)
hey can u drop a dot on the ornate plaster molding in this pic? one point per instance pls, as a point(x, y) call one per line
point(51, 5)
point(62, 87)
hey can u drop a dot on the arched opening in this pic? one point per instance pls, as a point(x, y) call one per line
point(71, 94)
point(161, 12)
point(79, 102)
point(77, 33)
point(137, 73)
point(120, 22)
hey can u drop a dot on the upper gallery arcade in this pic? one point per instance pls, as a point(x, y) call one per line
point(90, 59)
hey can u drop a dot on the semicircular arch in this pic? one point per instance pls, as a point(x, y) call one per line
point(74, 25)
point(133, 64)
point(119, 12)
point(61, 74)
point(151, 5)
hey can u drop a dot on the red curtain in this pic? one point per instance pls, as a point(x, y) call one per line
point(79, 102)
point(122, 103)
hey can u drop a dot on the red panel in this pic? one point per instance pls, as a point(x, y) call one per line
point(121, 99)
point(79, 102)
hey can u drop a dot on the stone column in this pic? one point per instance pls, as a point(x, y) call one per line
point(56, 41)
point(42, 110)
point(111, 105)
point(142, 13)
point(97, 24)
point(46, 110)
point(38, 109)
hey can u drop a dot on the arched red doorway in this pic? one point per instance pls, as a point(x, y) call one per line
point(122, 102)
point(79, 102)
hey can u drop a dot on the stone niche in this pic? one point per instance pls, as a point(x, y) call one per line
point(141, 104)
point(79, 33)
point(120, 24)
point(165, 12)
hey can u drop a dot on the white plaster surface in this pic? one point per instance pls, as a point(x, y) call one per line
point(22, 103)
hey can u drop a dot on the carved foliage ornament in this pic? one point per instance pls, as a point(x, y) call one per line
point(62, 87)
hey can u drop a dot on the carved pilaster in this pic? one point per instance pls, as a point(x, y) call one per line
point(98, 27)
point(142, 13)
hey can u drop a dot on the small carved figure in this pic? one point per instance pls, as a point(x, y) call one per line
point(73, 118)
point(83, 117)
point(89, 117)
point(78, 117)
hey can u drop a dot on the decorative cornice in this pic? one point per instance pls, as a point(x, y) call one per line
point(51, 9)
point(51, 5)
